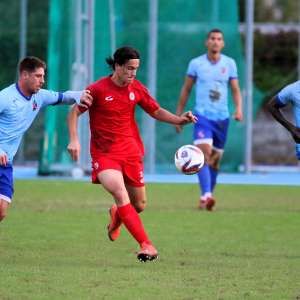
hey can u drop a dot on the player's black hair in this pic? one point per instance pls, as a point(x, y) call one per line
point(30, 63)
point(122, 55)
point(215, 30)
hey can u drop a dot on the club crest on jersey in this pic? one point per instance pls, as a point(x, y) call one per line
point(34, 105)
point(131, 96)
point(223, 70)
point(96, 166)
point(201, 134)
point(109, 98)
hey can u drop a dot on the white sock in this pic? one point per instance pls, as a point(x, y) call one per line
point(207, 195)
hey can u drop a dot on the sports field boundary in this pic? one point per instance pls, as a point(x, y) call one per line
point(258, 178)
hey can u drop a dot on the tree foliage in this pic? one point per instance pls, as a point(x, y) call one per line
point(37, 35)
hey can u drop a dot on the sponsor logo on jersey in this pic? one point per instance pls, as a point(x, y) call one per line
point(109, 98)
point(131, 96)
point(34, 105)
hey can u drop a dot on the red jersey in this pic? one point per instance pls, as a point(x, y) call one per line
point(114, 131)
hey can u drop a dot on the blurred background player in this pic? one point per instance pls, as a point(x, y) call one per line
point(212, 72)
point(116, 147)
point(289, 94)
point(19, 105)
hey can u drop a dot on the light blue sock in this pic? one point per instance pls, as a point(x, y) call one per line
point(204, 179)
point(213, 177)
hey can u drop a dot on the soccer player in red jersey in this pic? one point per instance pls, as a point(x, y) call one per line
point(116, 146)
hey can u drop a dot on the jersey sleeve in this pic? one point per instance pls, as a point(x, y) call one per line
point(233, 74)
point(70, 97)
point(285, 96)
point(3, 103)
point(49, 97)
point(148, 103)
point(191, 70)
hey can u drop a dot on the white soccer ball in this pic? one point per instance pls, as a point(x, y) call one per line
point(189, 159)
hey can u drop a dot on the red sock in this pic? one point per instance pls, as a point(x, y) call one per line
point(133, 223)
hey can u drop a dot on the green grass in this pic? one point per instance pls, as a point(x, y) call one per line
point(53, 245)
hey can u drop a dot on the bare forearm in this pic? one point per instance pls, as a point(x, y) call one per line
point(163, 115)
point(72, 122)
point(276, 113)
point(184, 95)
point(237, 98)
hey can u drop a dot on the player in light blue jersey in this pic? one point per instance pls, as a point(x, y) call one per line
point(19, 105)
point(288, 95)
point(212, 73)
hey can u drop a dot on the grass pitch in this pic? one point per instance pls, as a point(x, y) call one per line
point(53, 245)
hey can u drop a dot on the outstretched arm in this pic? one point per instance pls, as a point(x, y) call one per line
point(164, 115)
point(74, 145)
point(82, 98)
point(274, 109)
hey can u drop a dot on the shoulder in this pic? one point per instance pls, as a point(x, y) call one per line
point(137, 85)
point(99, 84)
point(198, 59)
point(227, 59)
point(8, 96)
point(8, 92)
point(290, 93)
point(292, 88)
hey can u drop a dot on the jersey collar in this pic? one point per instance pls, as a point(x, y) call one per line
point(20, 92)
point(213, 62)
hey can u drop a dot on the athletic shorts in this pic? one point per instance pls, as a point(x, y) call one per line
point(211, 132)
point(6, 182)
point(131, 168)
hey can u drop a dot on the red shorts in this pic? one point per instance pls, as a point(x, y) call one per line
point(131, 168)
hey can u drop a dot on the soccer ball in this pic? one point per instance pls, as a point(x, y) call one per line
point(189, 159)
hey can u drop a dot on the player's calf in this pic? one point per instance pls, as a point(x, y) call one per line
point(3, 209)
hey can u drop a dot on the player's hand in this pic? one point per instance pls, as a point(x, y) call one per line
point(188, 117)
point(296, 134)
point(74, 150)
point(238, 115)
point(3, 158)
point(86, 99)
point(178, 128)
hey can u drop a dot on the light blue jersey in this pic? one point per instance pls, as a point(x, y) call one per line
point(291, 94)
point(212, 81)
point(17, 113)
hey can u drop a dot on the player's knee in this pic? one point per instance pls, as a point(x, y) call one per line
point(207, 154)
point(119, 194)
point(215, 161)
point(140, 206)
point(207, 157)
